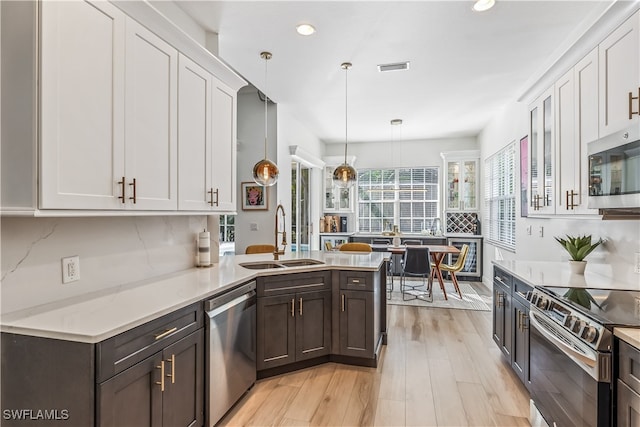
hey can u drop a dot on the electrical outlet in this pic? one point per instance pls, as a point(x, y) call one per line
point(636, 265)
point(253, 226)
point(70, 269)
point(541, 231)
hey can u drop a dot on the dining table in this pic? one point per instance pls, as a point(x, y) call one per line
point(437, 252)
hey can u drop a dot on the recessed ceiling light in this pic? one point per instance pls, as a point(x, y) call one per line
point(305, 29)
point(397, 66)
point(396, 122)
point(482, 5)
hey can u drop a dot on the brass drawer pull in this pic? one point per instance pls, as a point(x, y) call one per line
point(210, 193)
point(161, 382)
point(300, 306)
point(172, 375)
point(342, 302)
point(293, 305)
point(165, 333)
point(217, 192)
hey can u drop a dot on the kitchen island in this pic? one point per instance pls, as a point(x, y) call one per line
point(85, 359)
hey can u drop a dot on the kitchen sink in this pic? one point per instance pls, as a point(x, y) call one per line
point(264, 265)
point(261, 265)
point(299, 262)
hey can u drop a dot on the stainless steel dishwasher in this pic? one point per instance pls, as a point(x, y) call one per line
point(231, 349)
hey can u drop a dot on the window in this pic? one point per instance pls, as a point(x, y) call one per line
point(227, 234)
point(404, 197)
point(500, 197)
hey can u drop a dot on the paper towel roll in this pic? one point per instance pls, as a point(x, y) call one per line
point(204, 249)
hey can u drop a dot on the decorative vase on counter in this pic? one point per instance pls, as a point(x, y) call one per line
point(577, 267)
point(396, 241)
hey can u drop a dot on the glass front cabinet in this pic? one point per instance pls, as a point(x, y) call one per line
point(336, 199)
point(541, 155)
point(461, 180)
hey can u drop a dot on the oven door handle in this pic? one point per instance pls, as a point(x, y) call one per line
point(591, 362)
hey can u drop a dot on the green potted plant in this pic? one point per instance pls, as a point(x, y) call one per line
point(578, 247)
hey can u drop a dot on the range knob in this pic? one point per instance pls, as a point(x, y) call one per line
point(542, 303)
point(577, 325)
point(570, 321)
point(590, 334)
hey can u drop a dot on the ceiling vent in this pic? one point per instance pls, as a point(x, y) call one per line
point(397, 66)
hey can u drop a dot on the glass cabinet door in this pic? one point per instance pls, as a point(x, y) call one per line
point(462, 185)
point(469, 189)
point(542, 156)
point(453, 185)
point(336, 199)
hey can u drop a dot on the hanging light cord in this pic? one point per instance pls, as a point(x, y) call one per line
point(346, 67)
point(266, 60)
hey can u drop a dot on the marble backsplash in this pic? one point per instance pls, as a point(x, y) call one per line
point(113, 251)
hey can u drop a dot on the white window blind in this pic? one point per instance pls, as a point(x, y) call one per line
point(500, 197)
point(405, 197)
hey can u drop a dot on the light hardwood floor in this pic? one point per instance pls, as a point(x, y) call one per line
point(440, 367)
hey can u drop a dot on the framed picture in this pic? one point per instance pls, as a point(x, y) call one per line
point(524, 176)
point(254, 197)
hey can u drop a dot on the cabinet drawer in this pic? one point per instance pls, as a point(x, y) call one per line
point(629, 363)
point(128, 348)
point(502, 277)
point(628, 404)
point(356, 281)
point(520, 290)
point(291, 283)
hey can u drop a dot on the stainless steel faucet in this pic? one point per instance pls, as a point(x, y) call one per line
point(277, 251)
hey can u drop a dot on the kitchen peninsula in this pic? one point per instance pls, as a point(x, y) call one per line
point(76, 354)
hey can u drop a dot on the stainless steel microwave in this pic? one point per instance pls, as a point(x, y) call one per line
point(614, 170)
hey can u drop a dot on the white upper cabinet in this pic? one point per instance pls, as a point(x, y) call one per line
point(336, 199)
point(461, 187)
point(620, 77)
point(223, 160)
point(115, 96)
point(194, 136)
point(151, 150)
point(542, 155)
point(576, 95)
point(81, 105)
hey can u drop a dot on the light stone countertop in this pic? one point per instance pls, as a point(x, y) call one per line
point(94, 317)
point(628, 335)
point(558, 274)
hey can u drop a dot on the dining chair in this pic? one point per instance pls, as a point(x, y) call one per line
point(355, 247)
point(415, 262)
point(260, 249)
point(454, 268)
point(410, 242)
point(328, 246)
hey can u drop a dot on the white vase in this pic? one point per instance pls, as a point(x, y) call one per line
point(396, 241)
point(577, 267)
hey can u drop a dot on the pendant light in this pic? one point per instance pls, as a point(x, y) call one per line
point(265, 172)
point(345, 175)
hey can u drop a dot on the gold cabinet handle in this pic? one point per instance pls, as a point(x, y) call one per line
point(172, 375)
point(573, 194)
point(293, 304)
point(210, 193)
point(161, 382)
point(301, 306)
point(631, 98)
point(217, 193)
point(165, 333)
point(520, 321)
point(342, 302)
point(133, 184)
point(122, 189)
point(355, 280)
point(524, 322)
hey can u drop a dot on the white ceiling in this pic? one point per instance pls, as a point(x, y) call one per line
point(464, 65)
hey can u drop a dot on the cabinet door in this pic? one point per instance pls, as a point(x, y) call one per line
point(356, 324)
point(586, 124)
point(541, 154)
point(183, 398)
point(498, 315)
point(223, 185)
point(133, 397)
point(151, 139)
point(566, 142)
point(336, 199)
point(81, 105)
point(194, 136)
point(619, 57)
point(520, 351)
point(276, 331)
point(313, 324)
point(628, 406)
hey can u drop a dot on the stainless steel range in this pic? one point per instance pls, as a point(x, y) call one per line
point(572, 352)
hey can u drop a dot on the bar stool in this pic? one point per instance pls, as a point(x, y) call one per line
point(260, 249)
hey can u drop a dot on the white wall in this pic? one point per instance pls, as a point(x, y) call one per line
point(622, 236)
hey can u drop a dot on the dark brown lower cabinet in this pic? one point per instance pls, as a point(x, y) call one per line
point(502, 318)
point(357, 324)
point(520, 348)
point(165, 389)
point(627, 385)
point(293, 327)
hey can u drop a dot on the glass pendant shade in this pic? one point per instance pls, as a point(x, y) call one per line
point(344, 175)
point(265, 172)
